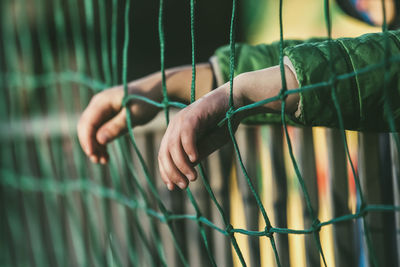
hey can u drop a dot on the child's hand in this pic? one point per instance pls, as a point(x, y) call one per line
point(104, 119)
point(191, 135)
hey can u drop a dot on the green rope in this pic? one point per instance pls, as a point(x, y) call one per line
point(132, 138)
point(232, 52)
point(293, 160)
point(89, 16)
point(343, 133)
point(114, 32)
point(254, 192)
point(192, 99)
point(56, 185)
point(69, 186)
point(229, 229)
point(387, 103)
point(193, 40)
point(104, 43)
point(60, 22)
point(162, 58)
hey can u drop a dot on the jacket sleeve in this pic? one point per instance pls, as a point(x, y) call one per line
point(251, 58)
point(360, 96)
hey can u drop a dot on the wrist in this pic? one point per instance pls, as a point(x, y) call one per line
point(179, 82)
point(255, 86)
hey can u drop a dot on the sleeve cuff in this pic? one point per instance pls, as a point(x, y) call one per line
point(289, 64)
point(216, 69)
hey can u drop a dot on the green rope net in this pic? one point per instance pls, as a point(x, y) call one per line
point(38, 191)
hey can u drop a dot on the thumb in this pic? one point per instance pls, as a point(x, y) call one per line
point(112, 129)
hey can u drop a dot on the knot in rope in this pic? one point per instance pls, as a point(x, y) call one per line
point(167, 216)
point(282, 96)
point(267, 231)
point(165, 103)
point(229, 114)
point(229, 229)
point(198, 216)
point(333, 80)
point(316, 225)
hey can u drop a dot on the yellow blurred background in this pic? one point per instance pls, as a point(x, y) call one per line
point(302, 19)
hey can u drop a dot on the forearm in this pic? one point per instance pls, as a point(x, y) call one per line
point(178, 83)
point(258, 85)
point(193, 133)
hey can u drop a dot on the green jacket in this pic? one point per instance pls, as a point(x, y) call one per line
point(360, 96)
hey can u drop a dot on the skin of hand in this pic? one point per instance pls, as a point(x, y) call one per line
point(194, 133)
point(104, 119)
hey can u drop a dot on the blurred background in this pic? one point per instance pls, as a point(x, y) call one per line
point(59, 209)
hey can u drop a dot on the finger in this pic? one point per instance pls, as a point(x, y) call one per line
point(171, 173)
point(90, 146)
point(98, 111)
point(99, 155)
point(161, 154)
point(85, 137)
point(94, 158)
point(168, 183)
point(182, 162)
point(188, 140)
point(112, 129)
point(104, 158)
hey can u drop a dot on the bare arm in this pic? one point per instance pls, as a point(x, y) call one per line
point(193, 133)
point(104, 119)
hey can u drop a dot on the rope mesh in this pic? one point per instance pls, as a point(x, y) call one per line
point(127, 191)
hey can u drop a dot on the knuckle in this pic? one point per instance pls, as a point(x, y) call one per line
point(186, 142)
point(107, 131)
point(173, 145)
point(180, 164)
point(160, 158)
point(171, 174)
point(96, 98)
point(176, 178)
point(182, 167)
point(192, 121)
point(187, 123)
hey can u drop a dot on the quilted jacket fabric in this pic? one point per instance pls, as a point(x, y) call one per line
point(360, 96)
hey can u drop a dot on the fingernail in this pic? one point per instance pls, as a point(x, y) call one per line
point(94, 159)
point(170, 187)
point(182, 185)
point(191, 158)
point(103, 160)
point(190, 177)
